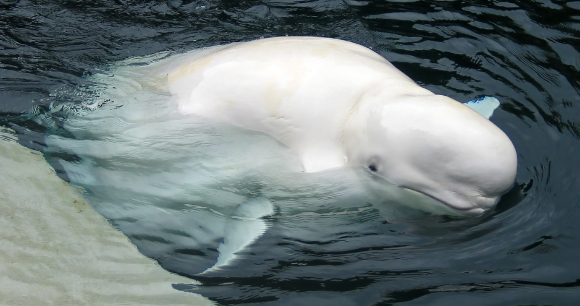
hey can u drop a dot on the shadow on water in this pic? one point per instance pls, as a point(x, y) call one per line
point(525, 53)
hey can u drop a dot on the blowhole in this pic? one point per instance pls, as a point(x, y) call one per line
point(373, 168)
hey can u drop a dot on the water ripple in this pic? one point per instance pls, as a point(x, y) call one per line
point(323, 250)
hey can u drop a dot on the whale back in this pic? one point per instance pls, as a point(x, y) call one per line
point(297, 89)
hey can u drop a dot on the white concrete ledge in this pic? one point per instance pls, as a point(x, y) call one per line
point(56, 250)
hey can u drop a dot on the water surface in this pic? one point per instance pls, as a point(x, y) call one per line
point(524, 53)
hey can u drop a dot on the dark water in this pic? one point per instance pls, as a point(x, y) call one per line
point(524, 53)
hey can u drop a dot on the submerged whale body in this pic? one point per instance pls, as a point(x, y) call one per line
point(336, 103)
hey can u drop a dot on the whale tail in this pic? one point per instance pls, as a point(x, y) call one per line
point(241, 230)
point(484, 106)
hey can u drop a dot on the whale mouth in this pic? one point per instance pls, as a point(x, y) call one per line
point(439, 202)
point(460, 207)
point(470, 212)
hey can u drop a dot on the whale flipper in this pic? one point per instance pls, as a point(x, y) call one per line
point(243, 229)
point(484, 106)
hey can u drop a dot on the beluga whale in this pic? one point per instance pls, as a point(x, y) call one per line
point(218, 139)
point(336, 103)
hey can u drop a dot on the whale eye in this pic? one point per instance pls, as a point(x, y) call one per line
point(373, 163)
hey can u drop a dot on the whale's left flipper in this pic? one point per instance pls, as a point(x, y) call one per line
point(484, 106)
point(243, 229)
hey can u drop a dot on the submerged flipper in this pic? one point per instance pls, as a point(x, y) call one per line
point(243, 229)
point(484, 106)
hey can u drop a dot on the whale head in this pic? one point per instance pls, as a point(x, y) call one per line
point(436, 146)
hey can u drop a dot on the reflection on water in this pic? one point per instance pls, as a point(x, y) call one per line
point(524, 53)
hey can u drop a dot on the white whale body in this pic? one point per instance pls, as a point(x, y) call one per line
point(156, 157)
point(335, 102)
